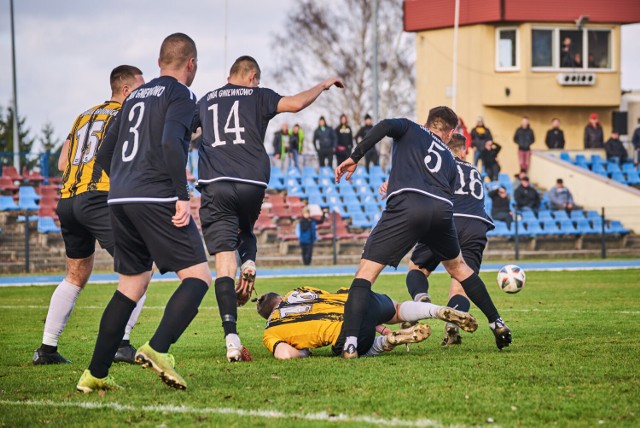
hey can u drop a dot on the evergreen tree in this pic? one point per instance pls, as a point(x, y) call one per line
point(50, 150)
point(6, 140)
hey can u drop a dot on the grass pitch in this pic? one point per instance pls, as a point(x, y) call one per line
point(574, 362)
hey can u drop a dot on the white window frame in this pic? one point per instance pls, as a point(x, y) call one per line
point(555, 44)
point(516, 67)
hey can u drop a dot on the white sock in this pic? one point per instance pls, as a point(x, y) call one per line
point(233, 340)
point(416, 311)
point(351, 340)
point(62, 302)
point(133, 319)
point(377, 348)
point(420, 296)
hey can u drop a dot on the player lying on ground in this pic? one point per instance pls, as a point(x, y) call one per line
point(308, 318)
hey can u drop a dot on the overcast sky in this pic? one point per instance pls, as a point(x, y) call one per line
point(66, 48)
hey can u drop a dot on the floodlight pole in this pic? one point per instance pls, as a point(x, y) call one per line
point(226, 26)
point(376, 88)
point(16, 136)
point(454, 84)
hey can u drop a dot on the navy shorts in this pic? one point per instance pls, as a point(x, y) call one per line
point(472, 236)
point(84, 219)
point(381, 310)
point(408, 219)
point(145, 234)
point(228, 212)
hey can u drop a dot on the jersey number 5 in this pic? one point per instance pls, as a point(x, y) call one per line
point(133, 130)
point(433, 161)
point(237, 129)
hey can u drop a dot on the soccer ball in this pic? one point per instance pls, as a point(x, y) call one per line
point(511, 279)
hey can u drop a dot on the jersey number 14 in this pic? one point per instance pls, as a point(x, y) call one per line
point(237, 130)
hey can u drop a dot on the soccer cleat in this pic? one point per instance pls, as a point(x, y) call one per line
point(163, 364)
point(89, 383)
point(464, 320)
point(236, 354)
point(414, 334)
point(502, 334)
point(451, 335)
point(248, 274)
point(125, 354)
point(40, 357)
point(350, 352)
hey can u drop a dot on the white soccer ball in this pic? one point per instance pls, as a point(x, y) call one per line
point(511, 279)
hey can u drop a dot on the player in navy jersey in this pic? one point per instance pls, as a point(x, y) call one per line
point(145, 154)
point(472, 224)
point(234, 170)
point(419, 209)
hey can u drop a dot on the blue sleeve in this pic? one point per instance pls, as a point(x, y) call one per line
point(394, 128)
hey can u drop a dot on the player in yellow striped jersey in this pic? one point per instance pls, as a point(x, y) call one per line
point(308, 318)
point(84, 214)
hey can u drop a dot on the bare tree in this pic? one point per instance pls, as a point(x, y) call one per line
point(323, 38)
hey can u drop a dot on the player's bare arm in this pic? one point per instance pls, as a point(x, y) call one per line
point(300, 101)
point(182, 215)
point(284, 351)
point(63, 160)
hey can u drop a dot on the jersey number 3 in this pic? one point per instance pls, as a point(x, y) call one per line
point(237, 129)
point(133, 130)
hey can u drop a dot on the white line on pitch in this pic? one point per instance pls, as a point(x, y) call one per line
point(269, 414)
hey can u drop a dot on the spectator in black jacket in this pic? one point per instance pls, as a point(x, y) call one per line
point(615, 149)
point(345, 140)
point(636, 144)
point(281, 144)
point(489, 158)
point(593, 135)
point(372, 156)
point(324, 141)
point(501, 206)
point(555, 136)
point(479, 137)
point(526, 196)
point(524, 138)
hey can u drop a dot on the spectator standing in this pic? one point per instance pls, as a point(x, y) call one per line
point(480, 135)
point(372, 156)
point(566, 55)
point(324, 141)
point(526, 196)
point(615, 149)
point(489, 157)
point(345, 140)
point(281, 144)
point(561, 197)
point(636, 144)
point(296, 142)
point(306, 231)
point(524, 138)
point(501, 206)
point(555, 136)
point(593, 135)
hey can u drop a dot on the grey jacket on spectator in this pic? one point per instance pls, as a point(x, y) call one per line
point(560, 196)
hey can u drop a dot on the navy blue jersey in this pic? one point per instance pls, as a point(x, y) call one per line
point(468, 199)
point(148, 147)
point(420, 161)
point(234, 120)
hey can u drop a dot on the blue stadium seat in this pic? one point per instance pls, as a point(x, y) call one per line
point(308, 181)
point(533, 228)
point(596, 223)
point(615, 227)
point(326, 171)
point(309, 171)
point(544, 215)
point(292, 171)
point(346, 190)
point(292, 181)
point(551, 228)
point(7, 204)
point(360, 219)
point(619, 177)
point(329, 190)
point(371, 208)
point(276, 172)
point(576, 215)
point(276, 183)
point(311, 189)
point(584, 227)
point(369, 199)
point(628, 167)
point(633, 178)
point(598, 168)
point(360, 181)
point(364, 190)
point(580, 158)
point(47, 225)
point(28, 192)
point(565, 157)
point(591, 214)
point(296, 191)
point(613, 167)
point(567, 227)
point(560, 215)
point(317, 199)
point(504, 179)
point(488, 204)
point(334, 199)
point(376, 171)
point(528, 214)
point(582, 164)
point(326, 181)
point(596, 159)
point(376, 181)
point(361, 173)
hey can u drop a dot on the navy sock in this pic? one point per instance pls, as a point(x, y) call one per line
point(356, 306)
point(181, 309)
point(417, 283)
point(477, 292)
point(112, 325)
point(459, 302)
point(227, 304)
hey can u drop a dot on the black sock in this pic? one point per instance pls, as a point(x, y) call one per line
point(459, 302)
point(181, 309)
point(356, 306)
point(477, 292)
point(48, 348)
point(417, 283)
point(112, 325)
point(227, 304)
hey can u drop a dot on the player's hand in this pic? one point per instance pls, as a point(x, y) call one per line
point(348, 167)
point(332, 81)
point(183, 214)
point(382, 190)
point(383, 330)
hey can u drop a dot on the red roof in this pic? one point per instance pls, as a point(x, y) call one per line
point(431, 14)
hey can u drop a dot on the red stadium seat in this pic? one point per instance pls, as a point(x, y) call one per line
point(11, 172)
point(6, 183)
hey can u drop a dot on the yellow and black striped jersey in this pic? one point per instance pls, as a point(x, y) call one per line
point(82, 173)
point(307, 317)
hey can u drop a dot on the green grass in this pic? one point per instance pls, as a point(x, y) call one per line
point(574, 362)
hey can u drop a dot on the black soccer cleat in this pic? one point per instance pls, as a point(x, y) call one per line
point(125, 354)
point(41, 358)
point(349, 352)
point(502, 334)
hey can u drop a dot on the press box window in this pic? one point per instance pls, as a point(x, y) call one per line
point(507, 49)
point(542, 48)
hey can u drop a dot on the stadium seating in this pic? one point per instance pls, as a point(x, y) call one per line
point(47, 225)
point(6, 184)
point(11, 172)
point(7, 204)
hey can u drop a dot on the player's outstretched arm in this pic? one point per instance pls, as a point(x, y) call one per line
point(63, 160)
point(284, 351)
point(295, 103)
